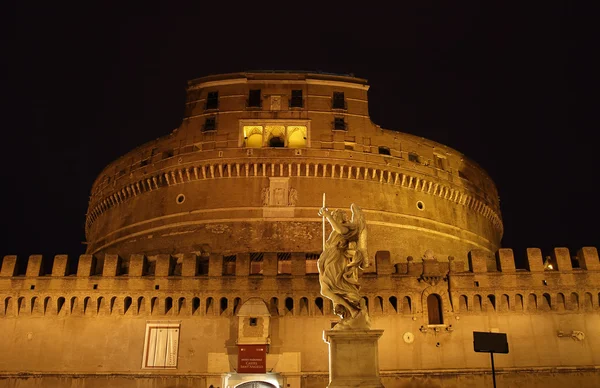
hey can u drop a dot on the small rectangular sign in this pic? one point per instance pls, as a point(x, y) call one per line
point(490, 342)
point(252, 359)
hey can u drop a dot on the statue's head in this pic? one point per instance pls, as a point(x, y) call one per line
point(339, 215)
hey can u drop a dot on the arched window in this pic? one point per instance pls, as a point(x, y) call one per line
point(434, 309)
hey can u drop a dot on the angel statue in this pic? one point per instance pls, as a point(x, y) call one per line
point(344, 254)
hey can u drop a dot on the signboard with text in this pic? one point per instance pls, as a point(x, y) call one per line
point(252, 359)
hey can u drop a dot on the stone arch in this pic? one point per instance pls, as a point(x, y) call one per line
point(223, 306)
point(319, 306)
point(406, 305)
point(8, 307)
point(35, 305)
point(574, 301)
point(127, 302)
point(154, 308)
point(519, 302)
point(113, 303)
point(141, 305)
point(101, 305)
point(303, 306)
point(237, 304)
point(532, 302)
point(504, 303)
point(196, 306)
point(378, 305)
point(394, 303)
point(289, 306)
point(477, 303)
point(74, 308)
point(435, 315)
point(274, 306)
point(463, 304)
point(21, 305)
point(441, 289)
point(560, 302)
point(47, 304)
point(588, 303)
point(209, 306)
point(490, 303)
point(546, 300)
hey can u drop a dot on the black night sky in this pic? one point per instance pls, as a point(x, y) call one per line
point(503, 84)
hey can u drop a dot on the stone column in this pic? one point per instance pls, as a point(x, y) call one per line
point(353, 358)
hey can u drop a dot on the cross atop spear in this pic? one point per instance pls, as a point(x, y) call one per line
point(323, 222)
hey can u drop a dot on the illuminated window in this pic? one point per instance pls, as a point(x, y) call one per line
point(254, 100)
point(338, 101)
point(296, 136)
point(210, 124)
point(296, 100)
point(275, 135)
point(253, 136)
point(212, 100)
point(161, 345)
point(339, 124)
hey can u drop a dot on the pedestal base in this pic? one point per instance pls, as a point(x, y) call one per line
point(353, 358)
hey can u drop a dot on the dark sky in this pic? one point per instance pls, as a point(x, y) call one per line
point(502, 84)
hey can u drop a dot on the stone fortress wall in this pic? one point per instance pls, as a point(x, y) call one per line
point(220, 217)
point(195, 188)
point(92, 312)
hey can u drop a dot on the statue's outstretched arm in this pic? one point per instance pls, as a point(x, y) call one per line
point(324, 212)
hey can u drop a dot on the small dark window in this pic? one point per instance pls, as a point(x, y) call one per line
point(462, 175)
point(384, 151)
point(284, 263)
point(296, 100)
point(254, 100)
point(339, 123)
point(413, 157)
point(434, 309)
point(338, 101)
point(167, 154)
point(212, 100)
point(210, 124)
point(253, 321)
point(95, 286)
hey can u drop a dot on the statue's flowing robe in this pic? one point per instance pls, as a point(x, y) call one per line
point(337, 282)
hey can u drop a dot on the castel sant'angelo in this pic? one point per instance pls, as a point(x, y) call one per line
point(201, 263)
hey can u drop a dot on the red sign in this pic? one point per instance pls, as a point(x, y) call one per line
point(252, 359)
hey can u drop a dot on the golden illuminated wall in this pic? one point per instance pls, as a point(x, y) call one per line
point(249, 168)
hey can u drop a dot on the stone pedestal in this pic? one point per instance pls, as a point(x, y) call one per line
point(353, 358)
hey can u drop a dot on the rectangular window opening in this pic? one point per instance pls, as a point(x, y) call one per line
point(339, 124)
point(338, 101)
point(296, 99)
point(254, 100)
point(284, 263)
point(229, 263)
point(311, 263)
point(413, 157)
point(212, 100)
point(210, 124)
point(384, 151)
point(256, 263)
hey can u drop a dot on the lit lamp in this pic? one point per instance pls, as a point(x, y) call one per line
point(547, 265)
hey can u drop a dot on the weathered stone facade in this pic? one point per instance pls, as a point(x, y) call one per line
point(212, 232)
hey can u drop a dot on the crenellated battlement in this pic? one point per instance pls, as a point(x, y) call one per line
point(197, 264)
point(215, 285)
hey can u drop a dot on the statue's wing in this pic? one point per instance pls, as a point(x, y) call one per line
point(358, 219)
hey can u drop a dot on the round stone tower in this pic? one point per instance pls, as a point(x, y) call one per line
point(247, 169)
